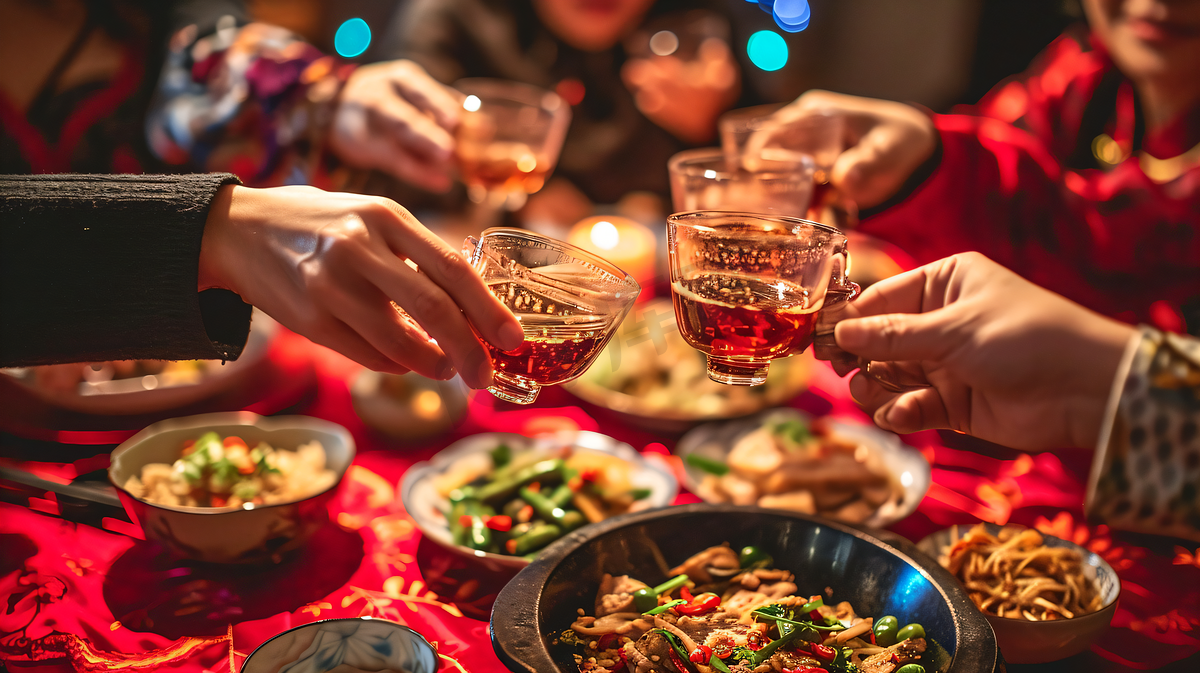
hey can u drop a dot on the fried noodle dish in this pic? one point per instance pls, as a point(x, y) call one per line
point(728, 612)
point(1015, 575)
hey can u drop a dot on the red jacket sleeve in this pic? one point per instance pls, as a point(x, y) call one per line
point(1115, 241)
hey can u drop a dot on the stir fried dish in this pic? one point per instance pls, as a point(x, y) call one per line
point(216, 472)
point(732, 612)
point(1013, 574)
point(790, 464)
point(516, 503)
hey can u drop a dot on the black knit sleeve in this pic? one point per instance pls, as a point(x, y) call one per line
point(104, 267)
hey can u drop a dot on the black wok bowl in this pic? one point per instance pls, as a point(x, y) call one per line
point(878, 572)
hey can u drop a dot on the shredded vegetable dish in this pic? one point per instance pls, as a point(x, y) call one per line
point(1013, 574)
point(516, 503)
point(732, 612)
point(216, 472)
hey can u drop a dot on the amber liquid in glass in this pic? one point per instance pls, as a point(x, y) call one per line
point(738, 317)
point(502, 167)
point(561, 339)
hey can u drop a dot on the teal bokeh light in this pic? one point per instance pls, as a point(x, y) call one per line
point(352, 38)
point(767, 50)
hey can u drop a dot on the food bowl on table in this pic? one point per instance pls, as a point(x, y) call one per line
point(878, 573)
point(408, 406)
point(1031, 642)
point(209, 526)
point(428, 488)
point(650, 378)
point(350, 644)
point(782, 459)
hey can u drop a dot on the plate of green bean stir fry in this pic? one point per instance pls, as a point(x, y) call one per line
point(504, 497)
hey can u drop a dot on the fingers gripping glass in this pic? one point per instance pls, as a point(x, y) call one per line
point(894, 377)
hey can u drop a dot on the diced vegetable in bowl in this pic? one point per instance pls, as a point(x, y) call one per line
point(505, 497)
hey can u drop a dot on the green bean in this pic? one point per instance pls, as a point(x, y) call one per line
point(885, 631)
point(479, 536)
point(539, 536)
point(910, 631)
point(454, 518)
point(562, 495)
point(538, 471)
point(513, 507)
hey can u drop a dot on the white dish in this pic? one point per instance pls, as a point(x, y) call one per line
point(909, 468)
point(426, 506)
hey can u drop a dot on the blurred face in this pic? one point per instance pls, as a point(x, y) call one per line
point(591, 25)
point(1156, 40)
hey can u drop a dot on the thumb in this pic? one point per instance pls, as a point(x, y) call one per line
point(894, 336)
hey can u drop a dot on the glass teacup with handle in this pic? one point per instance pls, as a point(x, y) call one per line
point(569, 302)
point(747, 287)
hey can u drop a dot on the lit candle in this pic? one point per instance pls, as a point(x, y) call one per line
point(620, 240)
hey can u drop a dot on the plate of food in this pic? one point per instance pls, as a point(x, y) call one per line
point(782, 459)
point(722, 588)
point(650, 378)
point(502, 497)
point(1046, 598)
point(132, 387)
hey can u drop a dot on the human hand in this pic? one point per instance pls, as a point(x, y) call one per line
point(1007, 361)
point(394, 117)
point(885, 142)
point(685, 97)
point(329, 266)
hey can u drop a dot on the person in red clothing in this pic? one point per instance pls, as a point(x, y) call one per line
point(1081, 174)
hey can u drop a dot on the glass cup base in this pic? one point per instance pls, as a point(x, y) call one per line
point(512, 388)
point(737, 372)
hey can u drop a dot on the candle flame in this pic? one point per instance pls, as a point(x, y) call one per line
point(605, 235)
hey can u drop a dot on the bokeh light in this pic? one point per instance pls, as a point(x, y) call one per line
point(472, 103)
point(767, 50)
point(605, 235)
point(664, 43)
point(352, 38)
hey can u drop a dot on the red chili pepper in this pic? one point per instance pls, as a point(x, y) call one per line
point(511, 546)
point(754, 642)
point(189, 446)
point(723, 649)
point(590, 474)
point(218, 501)
point(702, 604)
point(535, 486)
point(701, 655)
point(678, 663)
point(685, 594)
point(823, 653)
point(465, 520)
point(234, 441)
point(526, 514)
point(575, 484)
point(895, 658)
point(607, 641)
point(500, 522)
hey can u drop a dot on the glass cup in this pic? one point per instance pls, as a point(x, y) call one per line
point(569, 303)
point(704, 179)
point(508, 139)
point(746, 133)
point(748, 288)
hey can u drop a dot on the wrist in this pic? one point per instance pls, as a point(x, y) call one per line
point(217, 227)
point(1102, 352)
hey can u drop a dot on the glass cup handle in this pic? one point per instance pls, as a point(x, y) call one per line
point(895, 377)
point(470, 249)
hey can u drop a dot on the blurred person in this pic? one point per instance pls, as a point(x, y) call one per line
point(1010, 362)
point(96, 267)
point(629, 115)
point(127, 86)
point(1082, 174)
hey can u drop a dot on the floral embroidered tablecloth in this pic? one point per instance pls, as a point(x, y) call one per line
point(78, 597)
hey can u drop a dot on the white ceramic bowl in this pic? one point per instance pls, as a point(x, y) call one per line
point(222, 534)
point(354, 643)
point(426, 506)
point(910, 469)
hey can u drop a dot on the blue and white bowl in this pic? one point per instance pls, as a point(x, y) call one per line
point(358, 643)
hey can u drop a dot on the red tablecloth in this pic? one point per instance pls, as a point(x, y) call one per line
point(76, 596)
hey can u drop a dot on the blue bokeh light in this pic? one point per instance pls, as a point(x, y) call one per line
point(767, 50)
point(352, 38)
point(792, 12)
